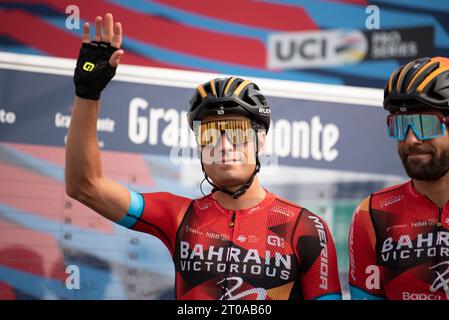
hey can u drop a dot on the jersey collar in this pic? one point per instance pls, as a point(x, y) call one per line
point(418, 196)
point(267, 201)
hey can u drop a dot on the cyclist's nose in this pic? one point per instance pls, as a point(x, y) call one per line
point(226, 145)
point(411, 138)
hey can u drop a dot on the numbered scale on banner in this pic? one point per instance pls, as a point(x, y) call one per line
point(64, 249)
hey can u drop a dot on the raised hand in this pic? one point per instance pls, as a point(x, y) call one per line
point(106, 31)
point(98, 59)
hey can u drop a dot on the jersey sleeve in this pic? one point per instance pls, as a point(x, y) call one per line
point(317, 258)
point(158, 214)
point(365, 276)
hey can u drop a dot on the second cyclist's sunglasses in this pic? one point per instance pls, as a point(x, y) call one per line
point(237, 131)
point(425, 126)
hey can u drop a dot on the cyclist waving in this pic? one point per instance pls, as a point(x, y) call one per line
point(240, 241)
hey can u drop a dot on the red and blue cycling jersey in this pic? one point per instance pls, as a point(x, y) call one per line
point(399, 247)
point(275, 250)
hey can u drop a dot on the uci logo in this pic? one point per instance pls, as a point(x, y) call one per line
point(88, 66)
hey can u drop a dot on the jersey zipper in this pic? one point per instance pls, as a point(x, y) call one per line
point(439, 227)
point(230, 242)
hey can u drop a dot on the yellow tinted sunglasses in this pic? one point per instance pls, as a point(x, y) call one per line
point(237, 131)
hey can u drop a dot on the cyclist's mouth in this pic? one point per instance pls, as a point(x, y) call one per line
point(232, 158)
point(231, 161)
point(419, 156)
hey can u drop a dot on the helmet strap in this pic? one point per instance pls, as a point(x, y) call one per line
point(239, 192)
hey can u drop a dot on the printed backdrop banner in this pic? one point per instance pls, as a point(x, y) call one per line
point(45, 235)
point(151, 119)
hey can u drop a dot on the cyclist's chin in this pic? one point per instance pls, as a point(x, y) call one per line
point(231, 167)
point(228, 175)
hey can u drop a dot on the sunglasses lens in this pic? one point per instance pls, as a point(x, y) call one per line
point(424, 126)
point(393, 127)
point(240, 132)
point(237, 132)
point(431, 126)
point(207, 134)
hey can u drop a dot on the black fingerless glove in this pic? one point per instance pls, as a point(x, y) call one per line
point(93, 71)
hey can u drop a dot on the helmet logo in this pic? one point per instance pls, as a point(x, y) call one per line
point(264, 111)
point(403, 109)
point(220, 112)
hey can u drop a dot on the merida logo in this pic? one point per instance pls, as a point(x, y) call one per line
point(324, 263)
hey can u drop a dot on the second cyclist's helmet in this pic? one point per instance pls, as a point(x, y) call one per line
point(420, 84)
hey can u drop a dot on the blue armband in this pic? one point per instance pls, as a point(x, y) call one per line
point(134, 212)
point(358, 294)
